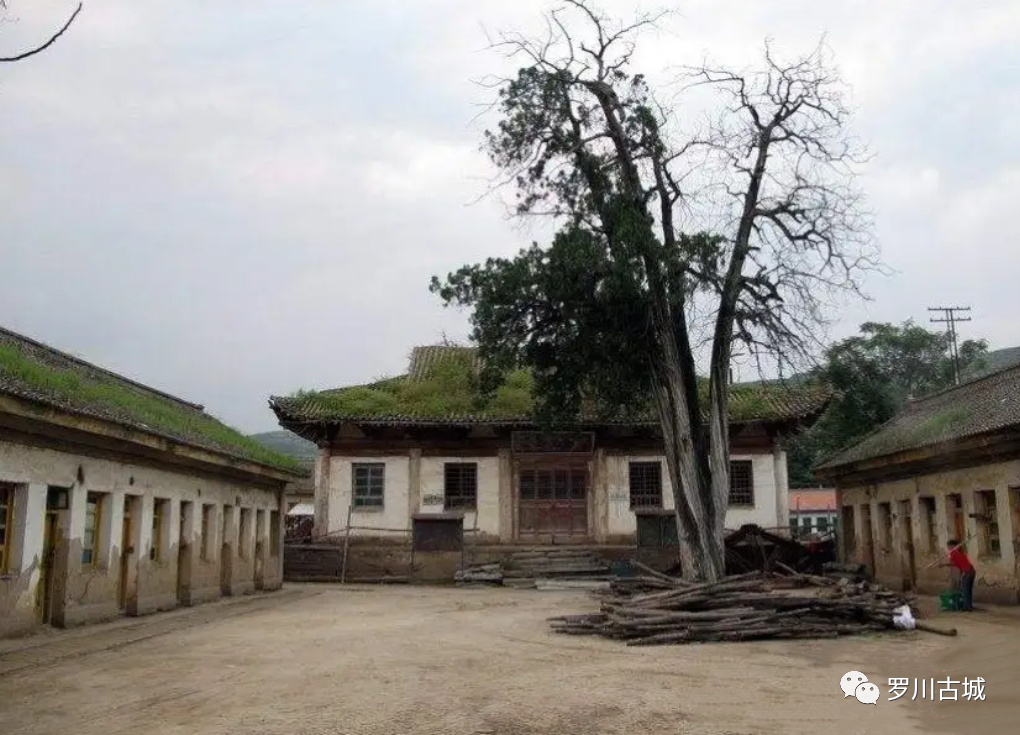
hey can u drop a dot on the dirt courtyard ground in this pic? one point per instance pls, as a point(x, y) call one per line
point(312, 660)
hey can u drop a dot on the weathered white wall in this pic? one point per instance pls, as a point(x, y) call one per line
point(432, 482)
point(781, 489)
point(611, 515)
point(394, 516)
point(90, 592)
point(621, 520)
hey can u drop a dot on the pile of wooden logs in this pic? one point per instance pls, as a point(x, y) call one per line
point(574, 568)
point(480, 574)
point(656, 609)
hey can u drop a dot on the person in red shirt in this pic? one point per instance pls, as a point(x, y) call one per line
point(958, 559)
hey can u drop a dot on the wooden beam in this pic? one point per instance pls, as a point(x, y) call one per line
point(115, 452)
point(972, 452)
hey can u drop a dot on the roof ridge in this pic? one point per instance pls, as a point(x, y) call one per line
point(965, 384)
point(104, 371)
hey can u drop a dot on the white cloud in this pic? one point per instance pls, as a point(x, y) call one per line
point(410, 167)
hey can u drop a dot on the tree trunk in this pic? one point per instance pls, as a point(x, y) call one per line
point(698, 517)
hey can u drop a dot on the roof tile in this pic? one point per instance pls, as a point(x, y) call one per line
point(987, 404)
point(36, 372)
point(381, 404)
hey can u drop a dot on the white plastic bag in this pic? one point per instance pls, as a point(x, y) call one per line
point(903, 619)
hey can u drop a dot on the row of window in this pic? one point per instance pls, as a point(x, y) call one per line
point(460, 484)
point(807, 525)
point(646, 484)
point(986, 518)
point(98, 505)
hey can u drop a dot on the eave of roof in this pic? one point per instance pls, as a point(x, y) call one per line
point(439, 389)
point(57, 420)
point(805, 407)
point(34, 373)
point(982, 407)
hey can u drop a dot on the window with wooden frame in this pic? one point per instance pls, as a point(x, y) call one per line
point(823, 524)
point(6, 525)
point(645, 485)
point(207, 531)
point(954, 517)
point(368, 485)
point(990, 544)
point(929, 525)
point(93, 527)
point(460, 485)
point(160, 507)
point(885, 525)
point(741, 482)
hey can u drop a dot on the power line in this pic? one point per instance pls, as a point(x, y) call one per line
point(950, 319)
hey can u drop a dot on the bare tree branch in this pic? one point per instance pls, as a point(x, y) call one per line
point(43, 47)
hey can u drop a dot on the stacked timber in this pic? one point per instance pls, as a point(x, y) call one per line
point(480, 575)
point(542, 569)
point(656, 609)
point(538, 569)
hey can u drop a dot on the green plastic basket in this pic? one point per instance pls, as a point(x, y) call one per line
point(951, 600)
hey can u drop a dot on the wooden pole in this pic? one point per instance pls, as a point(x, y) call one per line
point(933, 562)
point(347, 544)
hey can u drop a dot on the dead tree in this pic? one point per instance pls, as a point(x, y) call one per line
point(44, 46)
point(583, 138)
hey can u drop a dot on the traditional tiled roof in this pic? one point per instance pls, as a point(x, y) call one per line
point(407, 400)
point(981, 406)
point(32, 371)
point(425, 358)
point(815, 500)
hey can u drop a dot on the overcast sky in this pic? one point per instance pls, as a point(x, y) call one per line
point(232, 201)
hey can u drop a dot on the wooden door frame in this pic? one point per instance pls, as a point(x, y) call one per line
point(908, 564)
point(552, 462)
point(185, 551)
point(1013, 498)
point(47, 579)
point(128, 533)
point(228, 521)
point(868, 536)
point(956, 520)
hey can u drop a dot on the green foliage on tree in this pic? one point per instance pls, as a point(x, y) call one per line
point(875, 374)
point(577, 316)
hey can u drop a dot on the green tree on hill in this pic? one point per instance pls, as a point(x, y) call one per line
point(875, 374)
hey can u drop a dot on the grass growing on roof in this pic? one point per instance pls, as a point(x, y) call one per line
point(936, 426)
point(80, 389)
point(450, 389)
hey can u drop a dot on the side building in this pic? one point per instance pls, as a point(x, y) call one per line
point(118, 499)
point(426, 443)
point(813, 512)
point(947, 467)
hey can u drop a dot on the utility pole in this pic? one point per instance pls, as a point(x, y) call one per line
point(950, 319)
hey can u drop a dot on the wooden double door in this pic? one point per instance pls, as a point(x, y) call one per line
point(552, 500)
